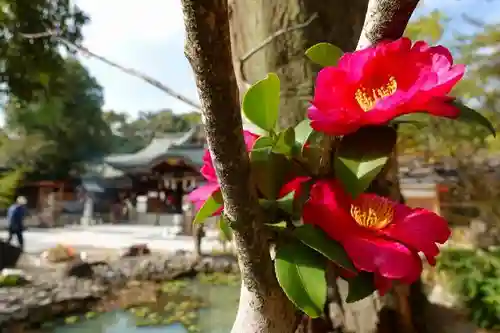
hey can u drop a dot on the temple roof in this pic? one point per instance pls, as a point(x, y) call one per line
point(176, 145)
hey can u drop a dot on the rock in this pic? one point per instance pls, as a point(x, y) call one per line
point(9, 255)
point(136, 251)
point(60, 253)
point(79, 268)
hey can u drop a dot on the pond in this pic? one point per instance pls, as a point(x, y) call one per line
point(217, 317)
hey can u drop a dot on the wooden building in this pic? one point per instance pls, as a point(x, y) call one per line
point(163, 172)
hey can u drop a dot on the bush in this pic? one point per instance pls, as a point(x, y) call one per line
point(475, 277)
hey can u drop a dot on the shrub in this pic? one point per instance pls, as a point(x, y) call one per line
point(475, 276)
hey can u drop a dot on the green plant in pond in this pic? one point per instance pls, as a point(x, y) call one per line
point(229, 279)
point(10, 280)
point(475, 277)
point(90, 315)
point(175, 304)
point(71, 320)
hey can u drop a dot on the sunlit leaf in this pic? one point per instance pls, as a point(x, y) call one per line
point(301, 274)
point(211, 205)
point(324, 54)
point(261, 102)
point(362, 155)
point(226, 231)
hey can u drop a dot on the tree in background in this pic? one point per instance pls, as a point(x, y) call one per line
point(9, 182)
point(70, 119)
point(27, 65)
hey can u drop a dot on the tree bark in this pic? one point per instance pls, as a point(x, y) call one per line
point(263, 306)
point(271, 36)
point(290, 27)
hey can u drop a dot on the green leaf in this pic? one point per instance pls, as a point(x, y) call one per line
point(261, 102)
point(468, 115)
point(362, 155)
point(281, 225)
point(360, 287)
point(302, 132)
point(268, 168)
point(285, 142)
point(316, 239)
point(211, 205)
point(324, 54)
point(417, 119)
point(301, 275)
point(263, 142)
point(286, 203)
point(226, 231)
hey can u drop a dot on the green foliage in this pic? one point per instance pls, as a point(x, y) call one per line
point(360, 287)
point(226, 233)
point(210, 206)
point(475, 277)
point(9, 182)
point(261, 102)
point(69, 121)
point(301, 274)
point(472, 117)
point(324, 54)
point(360, 158)
point(28, 65)
point(316, 239)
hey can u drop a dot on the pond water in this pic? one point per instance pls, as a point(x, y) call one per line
point(218, 317)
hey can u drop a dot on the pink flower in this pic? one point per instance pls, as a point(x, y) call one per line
point(374, 85)
point(380, 236)
point(201, 194)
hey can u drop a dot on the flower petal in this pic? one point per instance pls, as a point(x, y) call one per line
point(419, 229)
point(204, 192)
point(389, 259)
point(328, 208)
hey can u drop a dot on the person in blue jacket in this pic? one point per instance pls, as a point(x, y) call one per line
point(15, 217)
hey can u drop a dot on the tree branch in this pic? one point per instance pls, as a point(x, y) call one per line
point(263, 306)
point(152, 81)
point(268, 41)
point(385, 20)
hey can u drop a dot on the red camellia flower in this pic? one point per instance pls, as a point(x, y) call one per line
point(201, 194)
point(380, 236)
point(374, 85)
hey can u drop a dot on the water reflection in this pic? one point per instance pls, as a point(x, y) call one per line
point(218, 318)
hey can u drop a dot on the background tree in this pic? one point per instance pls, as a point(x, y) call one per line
point(27, 65)
point(70, 120)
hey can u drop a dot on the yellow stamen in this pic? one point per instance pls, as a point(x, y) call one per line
point(367, 98)
point(374, 213)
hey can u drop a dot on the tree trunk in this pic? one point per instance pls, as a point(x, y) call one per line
point(271, 36)
point(264, 308)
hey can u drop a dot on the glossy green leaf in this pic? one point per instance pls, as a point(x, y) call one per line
point(268, 170)
point(362, 155)
point(316, 239)
point(417, 119)
point(302, 132)
point(301, 274)
point(281, 225)
point(324, 54)
point(224, 228)
point(471, 116)
point(360, 287)
point(285, 142)
point(261, 102)
point(263, 142)
point(286, 203)
point(211, 205)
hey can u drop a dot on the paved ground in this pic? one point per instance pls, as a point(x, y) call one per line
point(112, 237)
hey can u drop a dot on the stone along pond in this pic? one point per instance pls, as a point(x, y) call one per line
point(216, 317)
point(174, 294)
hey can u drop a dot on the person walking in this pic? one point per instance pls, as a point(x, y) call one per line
point(15, 217)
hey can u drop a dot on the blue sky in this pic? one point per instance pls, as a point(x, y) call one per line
point(148, 35)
